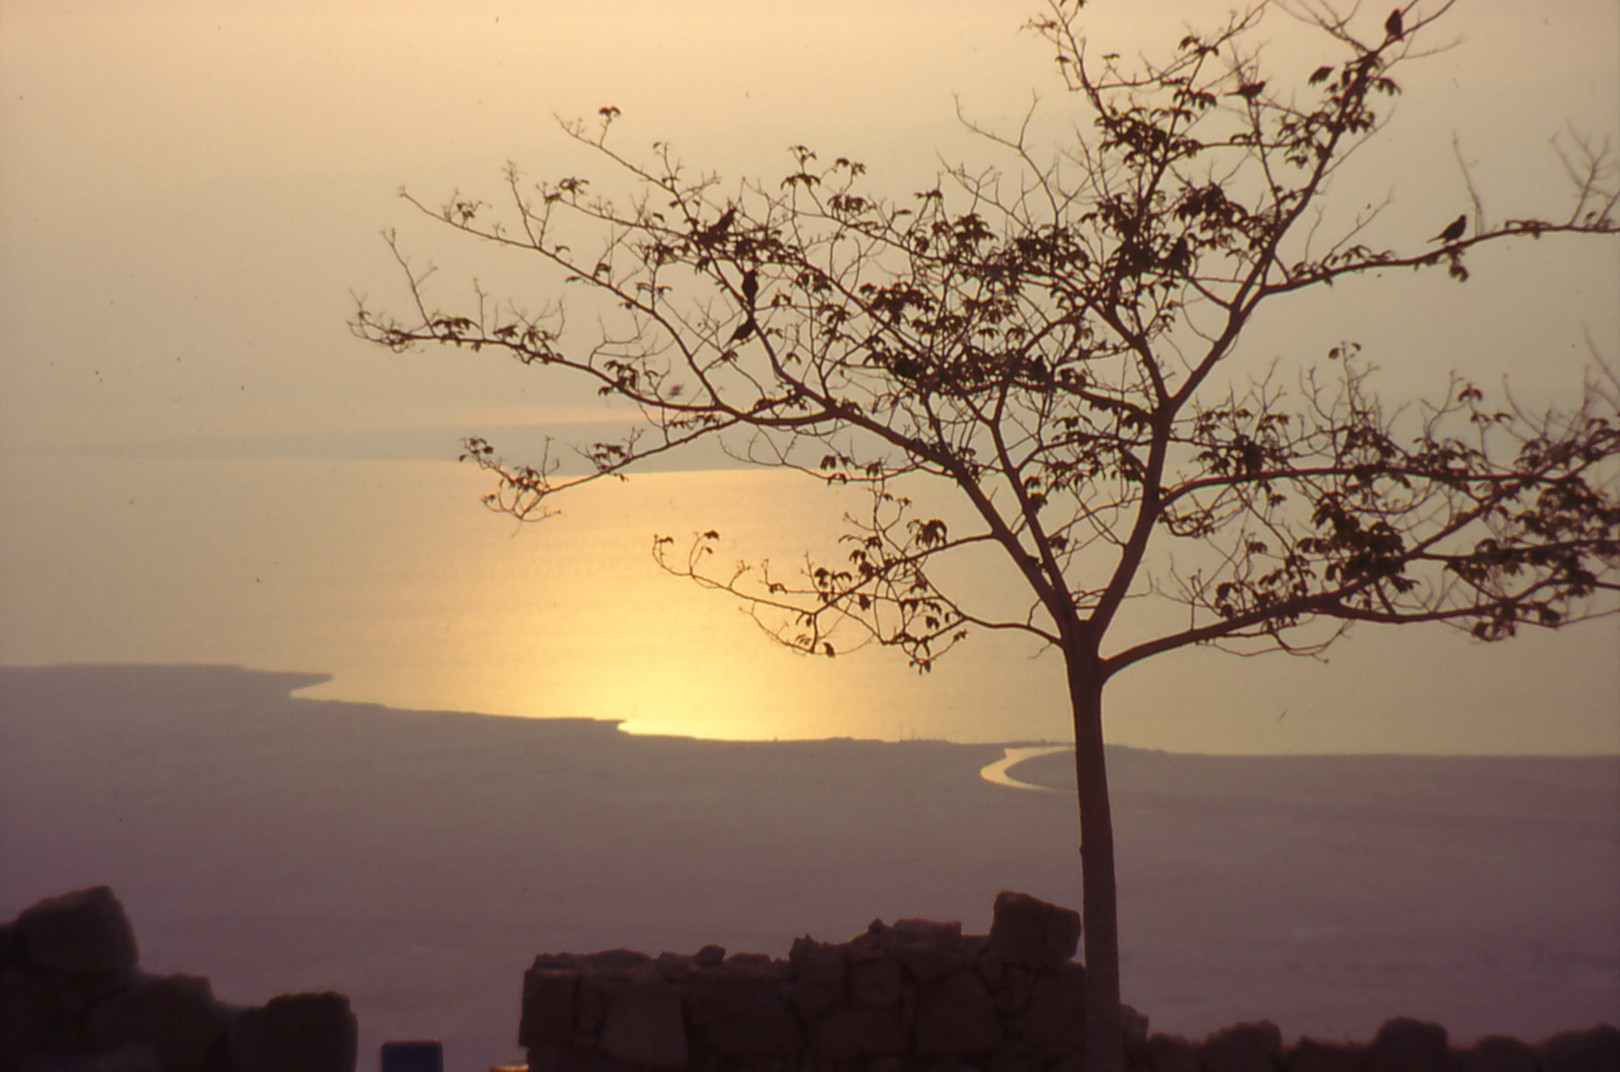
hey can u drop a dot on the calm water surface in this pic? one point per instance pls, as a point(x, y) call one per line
point(388, 576)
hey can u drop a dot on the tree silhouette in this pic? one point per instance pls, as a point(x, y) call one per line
point(1059, 352)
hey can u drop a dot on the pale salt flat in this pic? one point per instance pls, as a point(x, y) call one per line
point(417, 861)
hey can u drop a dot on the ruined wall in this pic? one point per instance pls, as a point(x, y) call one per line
point(921, 995)
point(72, 997)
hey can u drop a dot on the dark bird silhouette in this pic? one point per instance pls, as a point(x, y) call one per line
point(1454, 230)
point(1394, 27)
point(1250, 90)
point(1180, 255)
point(745, 329)
point(750, 287)
point(717, 230)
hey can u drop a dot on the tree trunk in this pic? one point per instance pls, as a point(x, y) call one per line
point(1105, 1044)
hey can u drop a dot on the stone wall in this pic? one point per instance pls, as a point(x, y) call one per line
point(73, 999)
point(921, 995)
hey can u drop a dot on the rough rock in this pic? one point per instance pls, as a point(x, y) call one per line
point(736, 1017)
point(615, 961)
point(941, 934)
point(1055, 1021)
point(550, 997)
point(1597, 1049)
point(175, 1016)
point(1311, 1055)
point(1012, 991)
point(673, 967)
point(1251, 1047)
point(1499, 1054)
point(819, 977)
point(955, 1015)
point(1032, 932)
point(849, 1033)
point(1172, 1053)
point(82, 933)
point(876, 982)
point(309, 1032)
point(925, 963)
point(644, 1026)
point(710, 956)
point(1407, 1045)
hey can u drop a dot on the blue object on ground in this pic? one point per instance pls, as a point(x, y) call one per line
point(416, 1056)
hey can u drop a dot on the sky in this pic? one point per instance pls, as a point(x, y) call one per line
point(191, 197)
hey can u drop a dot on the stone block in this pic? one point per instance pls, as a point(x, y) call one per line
point(132, 1058)
point(1251, 1047)
point(756, 966)
point(1407, 1045)
point(1171, 1053)
point(1055, 1021)
point(1013, 989)
point(875, 982)
point(1133, 1025)
point(926, 962)
point(550, 1000)
point(1597, 1049)
point(175, 1016)
point(1498, 1053)
point(740, 1017)
point(309, 1032)
point(1312, 1055)
point(1015, 1055)
point(955, 1015)
point(673, 967)
point(846, 1034)
point(82, 933)
point(644, 1026)
point(1032, 932)
point(818, 983)
point(941, 935)
point(614, 961)
point(592, 999)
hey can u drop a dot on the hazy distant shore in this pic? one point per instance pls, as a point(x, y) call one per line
point(418, 860)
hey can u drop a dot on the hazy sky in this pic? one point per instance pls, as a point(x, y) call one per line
point(190, 192)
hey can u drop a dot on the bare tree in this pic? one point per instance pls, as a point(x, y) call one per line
point(1055, 343)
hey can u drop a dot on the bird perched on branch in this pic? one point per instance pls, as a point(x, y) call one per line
point(1454, 230)
point(717, 230)
point(1394, 26)
point(750, 287)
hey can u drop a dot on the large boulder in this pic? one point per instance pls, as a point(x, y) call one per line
point(740, 1016)
point(644, 1026)
point(1054, 1022)
point(1407, 1045)
point(955, 1015)
point(818, 977)
point(81, 934)
point(1498, 1053)
point(1032, 932)
point(1172, 1053)
point(846, 1034)
point(309, 1032)
point(550, 996)
point(1312, 1055)
point(1597, 1049)
point(1251, 1047)
point(876, 982)
point(175, 1016)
